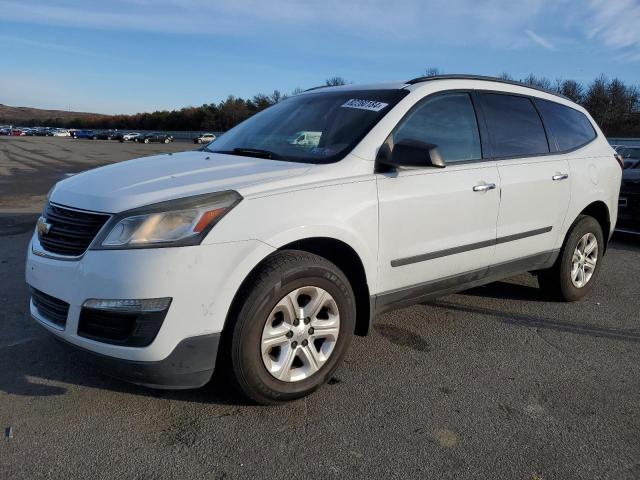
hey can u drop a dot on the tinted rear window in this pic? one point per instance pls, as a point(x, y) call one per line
point(569, 128)
point(514, 126)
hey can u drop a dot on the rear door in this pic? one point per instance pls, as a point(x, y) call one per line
point(436, 224)
point(535, 183)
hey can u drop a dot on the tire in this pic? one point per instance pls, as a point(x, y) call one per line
point(94, 138)
point(166, 140)
point(146, 140)
point(299, 274)
point(559, 282)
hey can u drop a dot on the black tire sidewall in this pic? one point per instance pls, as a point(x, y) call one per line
point(583, 226)
point(249, 368)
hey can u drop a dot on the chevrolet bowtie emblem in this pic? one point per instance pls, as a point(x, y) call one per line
point(42, 226)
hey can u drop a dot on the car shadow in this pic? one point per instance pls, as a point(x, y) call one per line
point(508, 291)
point(42, 367)
point(534, 321)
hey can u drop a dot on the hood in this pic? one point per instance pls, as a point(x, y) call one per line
point(135, 183)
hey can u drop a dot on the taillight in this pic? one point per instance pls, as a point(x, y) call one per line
point(620, 160)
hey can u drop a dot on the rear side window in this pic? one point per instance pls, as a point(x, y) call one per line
point(569, 127)
point(514, 126)
point(447, 121)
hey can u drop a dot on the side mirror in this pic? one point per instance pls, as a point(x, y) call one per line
point(411, 154)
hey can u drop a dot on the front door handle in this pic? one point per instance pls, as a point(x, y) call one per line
point(560, 176)
point(484, 187)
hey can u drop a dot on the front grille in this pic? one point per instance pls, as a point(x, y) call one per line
point(50, 308)
point(71, 231)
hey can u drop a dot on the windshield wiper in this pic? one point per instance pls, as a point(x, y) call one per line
point(250, 152)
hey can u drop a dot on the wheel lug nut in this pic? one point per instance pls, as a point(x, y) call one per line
point(289, 334)
point(307, 320)
point(296, 322)
point(294, 344)
point(311, 331)
point(305, 343)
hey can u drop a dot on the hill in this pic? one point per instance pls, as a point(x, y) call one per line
point(28, 115)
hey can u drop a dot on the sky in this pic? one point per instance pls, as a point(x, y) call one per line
point(126, 56)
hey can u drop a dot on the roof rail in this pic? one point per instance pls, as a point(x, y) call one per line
point(483, 77)
point(315, 88)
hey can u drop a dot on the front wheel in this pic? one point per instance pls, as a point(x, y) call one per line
point(166, 140)
point(146, 140)
point(294, 324)
point(577, 267)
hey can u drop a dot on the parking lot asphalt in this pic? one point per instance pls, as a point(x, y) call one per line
point(495, 382)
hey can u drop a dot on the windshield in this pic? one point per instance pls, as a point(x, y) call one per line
point(311, 128)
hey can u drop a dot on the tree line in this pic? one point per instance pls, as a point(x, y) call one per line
point(612, 103)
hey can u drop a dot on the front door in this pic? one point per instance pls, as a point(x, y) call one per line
point(436, 224)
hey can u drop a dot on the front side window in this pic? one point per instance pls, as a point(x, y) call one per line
point(317, 127)
point(447, 121)
point(569, 127)
point(514, 126)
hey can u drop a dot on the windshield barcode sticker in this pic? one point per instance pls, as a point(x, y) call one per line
point(372, 105)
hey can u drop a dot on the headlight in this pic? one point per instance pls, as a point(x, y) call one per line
point(181, 222)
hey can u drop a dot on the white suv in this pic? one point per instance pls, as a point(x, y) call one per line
point(263, 257)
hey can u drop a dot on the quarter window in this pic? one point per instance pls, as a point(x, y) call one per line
point(514, 126)
point(447, 121)
point(569, 127)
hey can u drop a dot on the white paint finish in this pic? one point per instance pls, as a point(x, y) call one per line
point(201, 280)
point(143, 181)
point(429, 210)
point(346, 211)
point(530, 200)
point(382, 217)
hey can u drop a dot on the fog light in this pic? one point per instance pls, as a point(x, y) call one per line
point(130, 305)
point(126, 322)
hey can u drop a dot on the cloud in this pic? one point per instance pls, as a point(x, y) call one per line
point(56, 47)
point(616, 23)
point(447, 20)
point(612, 24)
point(539, 40)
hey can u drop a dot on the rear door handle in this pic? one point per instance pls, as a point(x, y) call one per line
point(484, 187)
point(560, 176)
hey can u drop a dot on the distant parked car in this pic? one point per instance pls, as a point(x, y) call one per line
point(630, 154)
point(60, 132)
point(5, 131)
point(629, 199)
point(16, 132)
point(90, 134)
point(205, 138)
point(129, 137)
point(155, 137)
point(105, 135)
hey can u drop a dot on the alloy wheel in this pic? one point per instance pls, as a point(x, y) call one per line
point(300, 334)
point(583, 262)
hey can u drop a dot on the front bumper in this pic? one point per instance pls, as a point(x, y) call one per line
point(190, 365)
point(201, 280)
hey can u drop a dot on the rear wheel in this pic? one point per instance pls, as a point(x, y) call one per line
point(146, 140)
point(166, 140)
point(294, 326)
point(577, 267)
